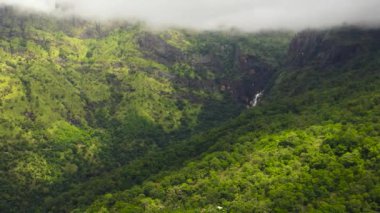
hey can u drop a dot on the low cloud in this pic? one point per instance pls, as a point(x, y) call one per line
point(247, 15)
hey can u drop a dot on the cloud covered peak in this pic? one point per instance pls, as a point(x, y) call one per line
point(247, 15)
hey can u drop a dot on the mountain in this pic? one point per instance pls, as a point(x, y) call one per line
point(114, 117)
point(311, 144)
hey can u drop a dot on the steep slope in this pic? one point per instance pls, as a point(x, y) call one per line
point(81, 100)
point(114, 117)
point(311, 145)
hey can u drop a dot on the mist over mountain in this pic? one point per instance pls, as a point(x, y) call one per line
point(100, 113)
point(246, 15)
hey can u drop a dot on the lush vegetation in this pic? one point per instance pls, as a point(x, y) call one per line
point(109, 117)
point(312, 145)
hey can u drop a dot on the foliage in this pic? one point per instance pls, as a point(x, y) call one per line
point(109, 117)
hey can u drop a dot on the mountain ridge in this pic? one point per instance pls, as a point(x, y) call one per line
point(115, 118)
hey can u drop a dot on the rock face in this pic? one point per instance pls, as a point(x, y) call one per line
point(257, 74)
point(248, 74)
point(254, 76)
point(331, 47)
point(157, 49)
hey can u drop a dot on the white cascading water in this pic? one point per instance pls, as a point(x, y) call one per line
point(254, 102)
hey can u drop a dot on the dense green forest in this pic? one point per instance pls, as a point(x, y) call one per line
point(114, 117)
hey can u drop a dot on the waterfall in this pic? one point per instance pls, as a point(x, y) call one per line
point(255, 100)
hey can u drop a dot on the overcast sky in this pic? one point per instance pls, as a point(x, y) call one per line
point(248, 15)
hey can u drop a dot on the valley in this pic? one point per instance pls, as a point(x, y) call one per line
point(115, 117)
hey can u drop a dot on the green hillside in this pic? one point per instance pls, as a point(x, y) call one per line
point(311, 146)
point(113, 117)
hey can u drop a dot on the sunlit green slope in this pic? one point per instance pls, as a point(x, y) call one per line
point(312, 145)
point(112, 117)
point(80, 100)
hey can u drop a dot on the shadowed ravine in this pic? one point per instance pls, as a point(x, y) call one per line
point(114, 117)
